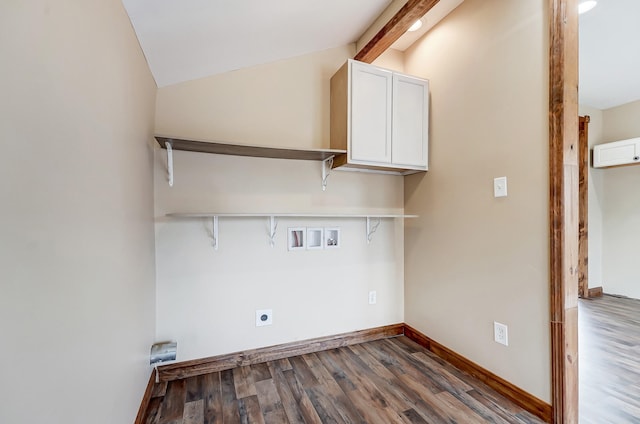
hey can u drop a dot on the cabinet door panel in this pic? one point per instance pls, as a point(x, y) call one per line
point(370, 139)
point(410, 121)
point(617, 153)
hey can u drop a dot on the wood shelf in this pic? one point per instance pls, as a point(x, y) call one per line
point(372, 220)
point(248, 150)
point(285, 215)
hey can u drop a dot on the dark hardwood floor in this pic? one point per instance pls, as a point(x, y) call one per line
point(609, 337)
point(386, 381)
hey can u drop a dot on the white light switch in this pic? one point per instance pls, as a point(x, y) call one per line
point(500, 187)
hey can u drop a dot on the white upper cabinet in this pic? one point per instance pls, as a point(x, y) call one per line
point(370, 114)
point(380, 117)
point(623, 152)
point(410, 124)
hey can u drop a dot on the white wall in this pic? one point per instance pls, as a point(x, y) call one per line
point(472, 259)
point(621, 208)
point(76, 236)
point(595, 200)
point(206, 299)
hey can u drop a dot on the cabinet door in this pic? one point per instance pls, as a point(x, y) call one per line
point(370, 134)
point(410, 121)
point(617, 153)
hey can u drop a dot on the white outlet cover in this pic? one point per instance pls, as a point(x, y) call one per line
point(373, 297)
point(264, 317)
point(500, 187)
point(500, 333)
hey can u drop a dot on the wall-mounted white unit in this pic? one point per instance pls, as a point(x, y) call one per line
point(617, 153)
point(381, 118)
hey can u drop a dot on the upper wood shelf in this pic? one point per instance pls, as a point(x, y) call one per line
point(247, 150)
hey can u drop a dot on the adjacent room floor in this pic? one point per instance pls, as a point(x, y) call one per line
point(609, 355)
point(386, 381)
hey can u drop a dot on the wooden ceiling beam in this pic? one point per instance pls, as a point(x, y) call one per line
point(398, 25)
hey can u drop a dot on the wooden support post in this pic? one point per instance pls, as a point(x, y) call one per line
point(563, 207)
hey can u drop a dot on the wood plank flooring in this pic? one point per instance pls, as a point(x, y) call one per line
point(609, 337)
point(386, 381)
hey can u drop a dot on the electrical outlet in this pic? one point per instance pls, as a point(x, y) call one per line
point(500, 333)
point(373, 298)
point(264, 317)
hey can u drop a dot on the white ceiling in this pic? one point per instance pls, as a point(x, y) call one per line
point(189, 39)
point(610, 54)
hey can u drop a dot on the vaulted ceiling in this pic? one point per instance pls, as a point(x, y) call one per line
point(610, 54)
point(190, 39)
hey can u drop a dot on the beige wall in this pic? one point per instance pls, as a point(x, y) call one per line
point(391, 59)
point(595, 199)
point(472, 258)
point(621, 122)
point(206, 299)
point(76, 236)
point(278, 104)
point(621, 208)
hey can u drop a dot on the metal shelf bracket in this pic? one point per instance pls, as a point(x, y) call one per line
point(169, 163)
point(327, 164)
point(273, 226)
point(215, 232)
point(372, 228)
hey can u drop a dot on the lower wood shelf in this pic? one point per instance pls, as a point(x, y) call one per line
point(285, 215)
point(372, 220)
